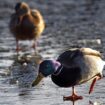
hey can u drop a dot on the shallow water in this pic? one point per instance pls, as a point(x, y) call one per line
point(70, 23)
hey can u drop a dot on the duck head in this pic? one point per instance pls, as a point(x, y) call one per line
point(22, 8)
point(46, 68)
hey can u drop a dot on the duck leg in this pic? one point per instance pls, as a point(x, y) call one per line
point(34, 45)
point(17, 46)
point(73, 97)
point(97, 77)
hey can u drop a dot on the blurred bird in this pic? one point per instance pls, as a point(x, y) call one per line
point(73, 67)
point(26, 24)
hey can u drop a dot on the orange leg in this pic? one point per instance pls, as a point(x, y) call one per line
point(93, 83)
point(73, 97)
point(17, 46)
point(34, 45)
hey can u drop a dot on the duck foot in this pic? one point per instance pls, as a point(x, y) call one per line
point(73, 98)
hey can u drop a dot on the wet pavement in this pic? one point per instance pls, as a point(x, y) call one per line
point(69, 24)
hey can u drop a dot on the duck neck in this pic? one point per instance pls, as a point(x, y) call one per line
point(58, 67)
point(58, 71)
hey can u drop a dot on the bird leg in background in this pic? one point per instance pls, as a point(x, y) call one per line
point(34, 45)
point(17, 46)
point(73, 97)
point(97, 77)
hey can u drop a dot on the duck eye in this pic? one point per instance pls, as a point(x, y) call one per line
point(48, 66)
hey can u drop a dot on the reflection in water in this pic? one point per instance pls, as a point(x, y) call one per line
point(24, 91)
point(24, 69)
point(93, 103)
point(90, 103)
point(66, 32)
point(25, 95)
point(73, 102)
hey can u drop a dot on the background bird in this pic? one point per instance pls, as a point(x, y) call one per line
point(26, 24)
point(73, 67)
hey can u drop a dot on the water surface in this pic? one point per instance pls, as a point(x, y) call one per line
point(70, 23)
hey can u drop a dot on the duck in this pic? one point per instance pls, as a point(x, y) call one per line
point(73, 67)
point(26, 24)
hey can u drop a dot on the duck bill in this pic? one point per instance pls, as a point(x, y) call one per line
point(38, 79)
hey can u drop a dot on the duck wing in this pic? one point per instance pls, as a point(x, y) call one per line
point(14, 21)
point(89, 51)
point(68, 57)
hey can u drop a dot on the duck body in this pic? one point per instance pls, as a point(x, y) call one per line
point(67, 77)
point(78, 66)
point(29, 28)
point(26, 24)
point(73, 67)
